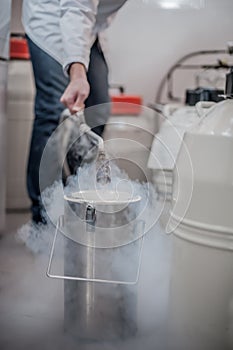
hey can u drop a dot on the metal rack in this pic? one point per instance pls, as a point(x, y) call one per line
point(168, 79)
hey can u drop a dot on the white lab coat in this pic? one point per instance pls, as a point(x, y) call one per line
point(67, 29)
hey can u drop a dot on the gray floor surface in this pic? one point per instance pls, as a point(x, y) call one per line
point(31, 304)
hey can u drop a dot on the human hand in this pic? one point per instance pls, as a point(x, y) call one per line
point(78, 89)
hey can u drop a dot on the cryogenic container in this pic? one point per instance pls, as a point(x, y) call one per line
point(20, 101)
point(201, 293)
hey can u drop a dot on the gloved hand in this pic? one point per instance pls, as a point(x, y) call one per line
point(75, 147)
point(78, 89)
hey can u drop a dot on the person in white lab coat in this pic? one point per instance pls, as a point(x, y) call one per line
point(67, 47)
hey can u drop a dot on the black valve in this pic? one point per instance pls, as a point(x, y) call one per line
point(90, 218)
point(203, 94)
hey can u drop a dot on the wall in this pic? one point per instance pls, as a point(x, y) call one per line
point(16, 25)
point(145, 41)
point(4, 46)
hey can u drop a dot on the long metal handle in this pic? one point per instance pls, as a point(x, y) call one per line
point(97, 280)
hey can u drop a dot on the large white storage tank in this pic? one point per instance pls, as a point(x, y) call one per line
point(201, 217)
point(4, 53)
point(20, 98)
point(176, 119)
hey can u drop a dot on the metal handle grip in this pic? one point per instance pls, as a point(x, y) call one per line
point(96, 280)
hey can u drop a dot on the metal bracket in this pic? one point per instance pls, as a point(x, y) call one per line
point(60, 223)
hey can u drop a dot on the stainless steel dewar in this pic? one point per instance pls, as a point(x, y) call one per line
point(102, 255)
point(113, 217)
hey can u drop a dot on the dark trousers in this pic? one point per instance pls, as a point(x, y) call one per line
point(50, 84)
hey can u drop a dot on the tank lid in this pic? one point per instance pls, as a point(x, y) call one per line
point(19, 47)
point(102, 197)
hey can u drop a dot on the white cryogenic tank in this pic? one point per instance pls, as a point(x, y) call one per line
point(20, 100)
point(201, 292)
point(4, 50)
point(3, 80)
point(165, 148)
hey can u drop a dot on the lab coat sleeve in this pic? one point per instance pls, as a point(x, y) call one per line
point(77, 21)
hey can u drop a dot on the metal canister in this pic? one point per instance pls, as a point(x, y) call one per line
point(101, 232)
point(201, 217)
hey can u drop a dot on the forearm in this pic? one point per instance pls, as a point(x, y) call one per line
point(77, 70)
point(77, 22)
point(78, 89)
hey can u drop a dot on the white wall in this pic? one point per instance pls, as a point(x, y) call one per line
point(16, 9)
point(145, 41)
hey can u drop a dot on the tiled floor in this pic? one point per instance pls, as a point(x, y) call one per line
point(31, 305)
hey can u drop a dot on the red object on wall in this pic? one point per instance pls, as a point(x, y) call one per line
point(126, 104)
point(19, 48)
